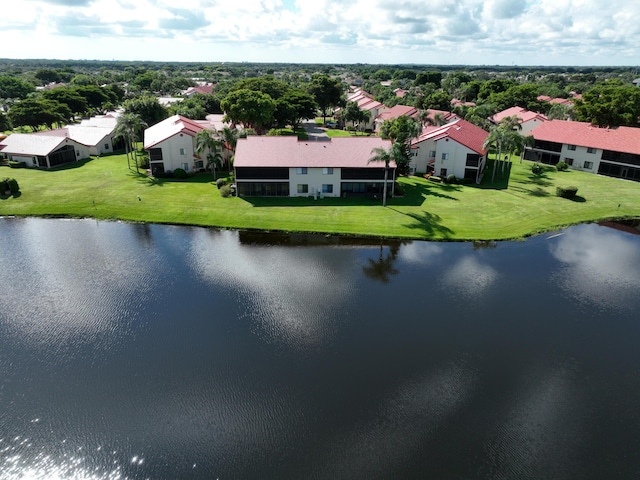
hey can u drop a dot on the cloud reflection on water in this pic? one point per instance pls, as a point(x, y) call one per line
point(601, 266)
point(81, 292)
point(470, 277)
point(295, 296)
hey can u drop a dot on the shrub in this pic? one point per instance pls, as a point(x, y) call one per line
point(562, 166)
point(566, 192)
point(221, 182)
point(536, 169)
point(13, 186)
point(180, 174)
point(433, 178)
point(451, 178)
point(4, 186)
point(13, 164)
point(226, 191)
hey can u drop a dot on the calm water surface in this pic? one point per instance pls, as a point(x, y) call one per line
point(145, 351)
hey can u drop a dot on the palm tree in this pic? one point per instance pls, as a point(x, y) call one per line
point(127, 126)
point(386, 156)
point(230, 139)
point(495, 138)
point(207, 142)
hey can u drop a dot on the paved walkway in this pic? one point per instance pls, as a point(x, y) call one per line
point(314, 131)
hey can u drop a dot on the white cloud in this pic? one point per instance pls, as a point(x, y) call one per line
point(368, 31)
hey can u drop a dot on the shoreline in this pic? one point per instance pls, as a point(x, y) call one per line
point(620, 220)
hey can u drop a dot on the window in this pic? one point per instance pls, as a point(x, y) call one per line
point(327, 171)
point(568, 161)
point(591, 150)
point(155, 154)
point(432, 154)
point(182, 151)
point(571, 147)
point(327, 188)
point(588, 165)
point(185, 167)
point(303, 188)
point(106, 146)
point(301, 170)
point(199, 164)
point(443, 172)
point(445, 156)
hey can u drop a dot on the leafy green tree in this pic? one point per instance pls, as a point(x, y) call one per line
point(433, 77)
point(69, 97)
point(191, 107)
point(401, 131)
point(559, 111)
point(327, 92)
point(95, 96)
point(266, 84)
point(302, 106)
point(351, 113)
point(250, 108)
point(36, 111)
point(610, 104)
point(148, 108)
point(48, 75)
point(438, 100)
point(5, 124)
point(128, 126)
point(494, 86)
point(524, 95)
point(12, 87)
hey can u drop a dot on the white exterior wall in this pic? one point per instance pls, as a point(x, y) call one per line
point(314, 178)
point(103, 146)
point(580, 156)
point(457, 157)
point(82, 151)
point(421, 155)
point(456, 163)
point(171, 156)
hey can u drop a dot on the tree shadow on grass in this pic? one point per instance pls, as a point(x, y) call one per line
point(416, 192)
point(534, 192)
point(429, 223)
point(499, 182)
point(578, 199)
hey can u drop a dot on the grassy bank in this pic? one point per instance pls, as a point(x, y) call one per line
point(515, 206)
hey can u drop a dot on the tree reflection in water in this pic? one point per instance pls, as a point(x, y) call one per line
point(382, 268)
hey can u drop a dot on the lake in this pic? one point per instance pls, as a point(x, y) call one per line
point(148, 351)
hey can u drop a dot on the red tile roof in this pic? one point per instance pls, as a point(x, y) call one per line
point(348, 152)
point(522, 113)
point(621, 139)
point(397, 111)
point(461, 131)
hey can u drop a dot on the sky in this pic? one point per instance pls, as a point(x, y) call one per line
point(443, 32)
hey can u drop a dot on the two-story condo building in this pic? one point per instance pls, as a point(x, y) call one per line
point(608, 151)
point(286, 166)
point(455, 148)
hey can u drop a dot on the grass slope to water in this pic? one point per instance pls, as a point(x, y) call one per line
point(514, 206)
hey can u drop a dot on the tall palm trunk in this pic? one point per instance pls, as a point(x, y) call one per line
point(384, 187)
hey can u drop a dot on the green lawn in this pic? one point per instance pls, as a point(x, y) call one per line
point(513, 207)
